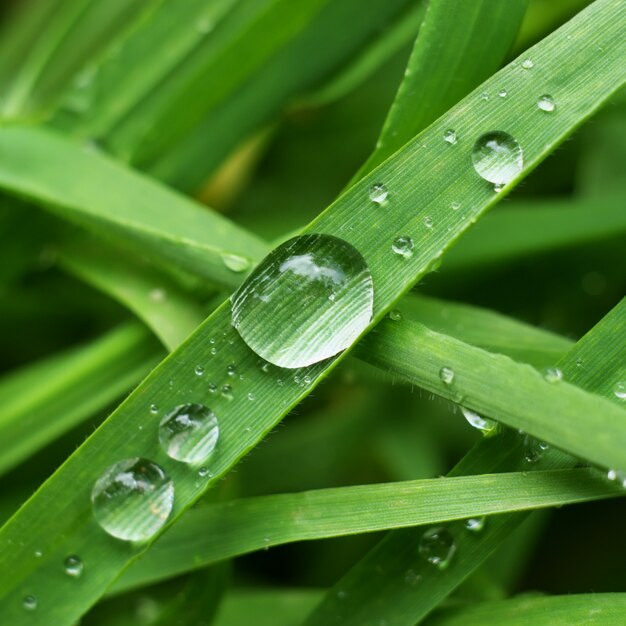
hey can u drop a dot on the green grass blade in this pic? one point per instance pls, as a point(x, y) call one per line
point(459, 45)
point(376, 586)
point(43, 400)
point(54, 509)
point(221, 531)
point(601, 609)
point(142, 214)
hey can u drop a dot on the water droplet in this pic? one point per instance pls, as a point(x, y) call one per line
point(484, 424)
point(437, 546)
point(503, 93)
point(378, 193)
point(395, 315)
point(29, 603)
point(73, 566)
point(282, 310)
point(499, 187)
point(403, 246)
point(226, 392)
point(455, 206)
point(579, 362)
point(411, 577)
point(203, 472)
point(450, 136)
point(132, 499)
point(497, 157)
point(620, 390)
point(475, 524)
point(235, 263)
point(484, 95)
point(552, 374)
point(446, 374)
point(199, 370)
point(38, 554)
point(428, 222)
point(154, 409)
point(251, 397)
point(231, 369)
point(534, 449)
point(189, 433)
point(212, 387)
point(528, 64)
point(546, 103)
point(617, 476)
point(158, 295)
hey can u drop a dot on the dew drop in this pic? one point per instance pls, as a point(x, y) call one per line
point(437, 546)
point(235, 263)
point(199, 370)
point(231, 369)
point(450, 136)
point(618, 476)
point(73, 566)
point(403, 246)
point(132, 499)
point(475, 524)
point(484, 95)
point(212, 387)
point(283, 311)
point(189, 433)
point(411, 577)
point(226, 392)
point(503, 93)
point(378, 193)
point(546, 103)
point(29, 603)
point(203, 472)
point(534, 449)
point(497, 157)
point(499, 187)
point(395, 315)
point(251, 397)
point(620, 390)
point(38, 554)
point(528, 64)
point(484, 424)
point(455, 206)
point(428, 222)
point(552, 375)
point(446, 374)
point(154, 409)
point(158, 295)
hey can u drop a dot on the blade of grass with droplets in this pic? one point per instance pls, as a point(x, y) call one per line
point(377, 587)
point(136, 211)
point(221, 531)
point(45, 399)
point(54, 509)
point(571, 610)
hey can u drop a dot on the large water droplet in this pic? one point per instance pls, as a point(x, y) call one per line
point(29, 603)
point(528, 64)
point(552, 375)
point(546, 103)
point(446, 374)
point(484, 424)
point(534, 449)
point(378, 193)
point(620, 390)
point(235, 263)
point(189, 433)
point(403, 246)
point(437, 546)
point(284, 311)
point(132, 499)
point(73, 566)
point(497, 157)
point(450, 136)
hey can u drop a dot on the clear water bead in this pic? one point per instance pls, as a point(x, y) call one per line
point(378, 193)
point(528, 64)
point(283, 310)
point(446, 374)
point(73, 566)
point(437, 546)
point(618, 476)
point(226, 392)
point(620, 390)
point(132, 499)
point(484, 424)
point(395, 315)
point(189, 433)
point(199, 370)
point(403, 246)
point(235, 263)
point(29, 603)
point(455, 206)
point(503, 93)
point(475, 524)
point(552, 375)
point(534, 449)
point(497, 157)
point(428, 222)
point(450, 136)
point(546, 103)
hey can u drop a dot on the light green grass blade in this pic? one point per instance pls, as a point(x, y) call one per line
point(221, 531)
point(597, 609)
point(140, 213)
point(43, 400)
point(459, 45)
point(171, 313)
point(376, 587)
point(54, 509)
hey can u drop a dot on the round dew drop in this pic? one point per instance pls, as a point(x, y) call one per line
point(484, 424)
point(189, 433)
point(306, 301)
point(528, 64)
point(395, 315)
point(403, 246)
point(552, 375)
point(132, 499)
point(475, 524)
point(437, 546)
point(503, 93)
point(73, 566)
point(235, 263)
point(546, 103)
point(29, 603)
point(620, 390)
point(450, 136)
point(446, 374)
point(497, 157)
point(378, 193)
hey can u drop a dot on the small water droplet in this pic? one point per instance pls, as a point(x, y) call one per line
point(403, 246)
point(497, 157)
point(378, 193)
point(579, 362)
point(503, 93)
point(475, 524)
point(307, 380)
point(484, 95)
point(212, 387)
point(546, 103)
point(552, 375)
point(213, 350)
point(450, 136)
point(132, 499)
point(618, 476)
point(226, 392)
point(199, 370)
point(203, 472)
point(620, 390)
point(251, 397)
point(498, 188)
point(289, 291)
point(437, 546)
point(428, 222)
point(455, 206)
point(73, 566)
point(231, 369)
point(446, 374)
point(189, 432)
point(235, 263)
point(395, 315)
point(528, 64)
point(29, 603)
point(484, 424)
point(158, 295)
point(154, 409)
point(411, 577)
point(534, 449)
